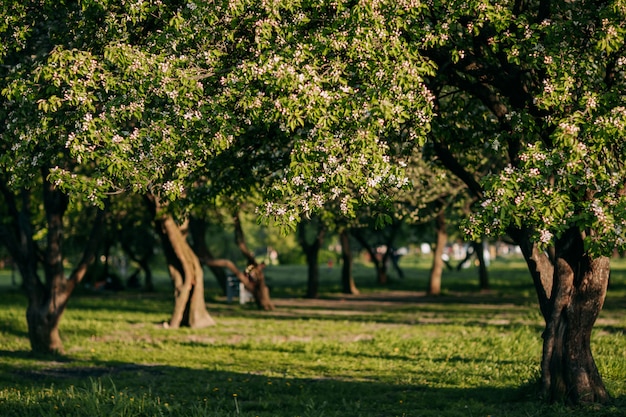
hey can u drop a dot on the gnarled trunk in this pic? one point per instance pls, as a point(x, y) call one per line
point(571, 293)
point(185, 271)
point(578, 292)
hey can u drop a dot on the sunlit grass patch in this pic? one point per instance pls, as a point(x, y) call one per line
point(385, 353)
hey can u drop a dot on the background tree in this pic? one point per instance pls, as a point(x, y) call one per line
point(255, 281)
point(136, 236)
point(311, 235)
point(348, 286)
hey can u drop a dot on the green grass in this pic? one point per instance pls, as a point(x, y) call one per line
point(391, 352)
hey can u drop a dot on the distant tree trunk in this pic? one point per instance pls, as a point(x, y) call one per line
point(106, 243)
point(46, 301)
point(396, 265)
point(380, 264)
point(112, 281)
point(571, 294)
point(144, 264)
point(434, 279)
point(197, 229)
point(311, 251)
point(147, 270)
point(347, 281)
point(185, 271)
point(254, 272)
point(483, 275)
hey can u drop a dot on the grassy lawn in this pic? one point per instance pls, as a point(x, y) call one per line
point(388, 352)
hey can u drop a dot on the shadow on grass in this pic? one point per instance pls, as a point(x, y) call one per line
point(40, 357)
point(14, 328)
point(179, 391)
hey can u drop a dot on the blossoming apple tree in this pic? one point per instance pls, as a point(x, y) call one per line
point(88, 109)
point(549, 77)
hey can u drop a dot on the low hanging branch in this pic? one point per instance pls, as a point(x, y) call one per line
point(252, 278)
point(254, 271)
point(240, 240)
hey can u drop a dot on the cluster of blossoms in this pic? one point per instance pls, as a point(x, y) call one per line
point(543, 193)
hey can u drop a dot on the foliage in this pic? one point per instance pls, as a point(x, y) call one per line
point(166, 103)
point(327, 92)
point(554, 102)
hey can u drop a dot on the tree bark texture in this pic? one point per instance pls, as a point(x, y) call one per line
point(434, 279)
point(571, 292)
point(347, 280)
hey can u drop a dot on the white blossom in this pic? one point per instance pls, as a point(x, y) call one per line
point(545, 236)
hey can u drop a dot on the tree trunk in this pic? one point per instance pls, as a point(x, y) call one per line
point(483, 275)
point(311, 252)
point(571, 294)
point(197, 229)
point(434, 278)
point(347, 281)
point(43, 314)
point(46, 301)
point(255, 282)
point(147, 270)
point(144, 264)
point(395, 258)
point(45, 308)
point(380, 264)
point(313, 275)
point(185, 271)
point(579, 288)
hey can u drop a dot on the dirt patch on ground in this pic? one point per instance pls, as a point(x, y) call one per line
point(387, 299)
point(395, 300)
point(373, 304)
